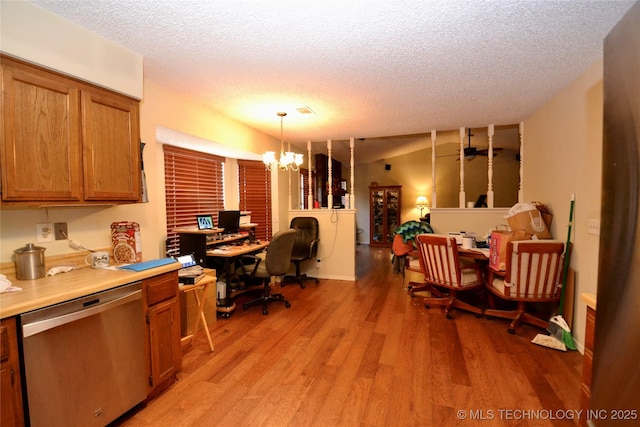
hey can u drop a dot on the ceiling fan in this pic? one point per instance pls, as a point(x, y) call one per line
point(471, 152)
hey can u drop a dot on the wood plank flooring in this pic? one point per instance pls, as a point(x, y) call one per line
point(366, 354)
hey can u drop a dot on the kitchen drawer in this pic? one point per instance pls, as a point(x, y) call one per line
point(162, 287)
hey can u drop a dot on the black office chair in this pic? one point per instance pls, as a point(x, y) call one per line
point(305, 247)
point(276, 263)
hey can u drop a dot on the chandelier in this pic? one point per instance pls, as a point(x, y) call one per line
point(288, 160)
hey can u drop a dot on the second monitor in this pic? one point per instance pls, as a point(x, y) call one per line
point(229, 221)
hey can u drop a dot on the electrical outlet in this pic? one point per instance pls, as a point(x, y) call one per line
point(594, 226)
point(44, 233)
point(60, 230)
point(317, 263)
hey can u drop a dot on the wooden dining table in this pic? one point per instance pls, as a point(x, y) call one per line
point(477, 254)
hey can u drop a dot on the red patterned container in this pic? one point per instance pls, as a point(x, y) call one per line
point(125, 238)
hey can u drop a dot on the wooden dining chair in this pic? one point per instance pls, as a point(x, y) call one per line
point(532, 275)
point(443, 271)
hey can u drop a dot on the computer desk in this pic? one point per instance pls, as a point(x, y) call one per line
point(229, 254)
point(198, 242)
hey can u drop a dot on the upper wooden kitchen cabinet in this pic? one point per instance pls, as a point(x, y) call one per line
point(66, 141)
point(111, 142)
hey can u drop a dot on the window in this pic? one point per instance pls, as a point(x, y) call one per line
point(193, 186)
point(254, 183)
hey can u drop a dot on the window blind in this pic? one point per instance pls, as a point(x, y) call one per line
point(254, 183)
point(193, 186)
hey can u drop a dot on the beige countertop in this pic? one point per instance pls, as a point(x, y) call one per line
point(62, 287)
point(589, 299)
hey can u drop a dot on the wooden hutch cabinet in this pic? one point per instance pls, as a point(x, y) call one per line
point(385, 214)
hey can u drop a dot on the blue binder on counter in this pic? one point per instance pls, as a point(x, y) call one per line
point(146, 265)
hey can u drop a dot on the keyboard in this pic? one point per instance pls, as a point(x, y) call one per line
point(196, 270)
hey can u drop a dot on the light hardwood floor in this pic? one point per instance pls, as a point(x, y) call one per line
point(366, 354)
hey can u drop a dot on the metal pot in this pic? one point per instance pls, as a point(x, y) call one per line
point(29, 262)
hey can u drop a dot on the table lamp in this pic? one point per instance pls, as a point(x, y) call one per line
point(421, 204)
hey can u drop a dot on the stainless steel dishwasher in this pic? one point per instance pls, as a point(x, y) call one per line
point(85, 359)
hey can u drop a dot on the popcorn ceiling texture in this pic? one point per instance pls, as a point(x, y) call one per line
point(367, 68)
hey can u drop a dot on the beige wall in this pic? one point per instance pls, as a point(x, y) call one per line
point(162, 108)
point(336, 249)
point(36, 35)
point(563, 155)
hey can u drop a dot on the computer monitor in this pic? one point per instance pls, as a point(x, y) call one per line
point(229, 221)
point(481, 202)
point(187, 260)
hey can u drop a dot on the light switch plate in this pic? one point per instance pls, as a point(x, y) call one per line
point(594, 226)
point(44, 233)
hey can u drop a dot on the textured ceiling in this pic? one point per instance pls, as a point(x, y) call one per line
point(367, 68)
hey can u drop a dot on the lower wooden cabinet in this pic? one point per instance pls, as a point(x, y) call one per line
point(162, 311)
point(585, 394)
point(11, 413)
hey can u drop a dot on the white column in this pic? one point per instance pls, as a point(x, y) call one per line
point(310, 195)
point(289, 178)
point(330, 176)
point(461, 199)
point(490, 168)
point(521, 188)
point(352, 192)
point(434, 203)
